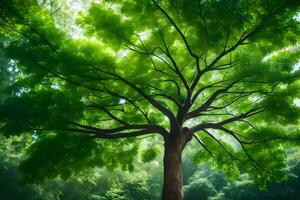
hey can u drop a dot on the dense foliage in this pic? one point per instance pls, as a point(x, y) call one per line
point(90, 85)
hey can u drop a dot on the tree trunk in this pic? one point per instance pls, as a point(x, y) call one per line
point(173, 186)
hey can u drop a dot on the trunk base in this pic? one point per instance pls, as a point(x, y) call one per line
point(173, 185)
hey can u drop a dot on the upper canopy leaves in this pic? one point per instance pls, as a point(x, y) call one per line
point(141, 67)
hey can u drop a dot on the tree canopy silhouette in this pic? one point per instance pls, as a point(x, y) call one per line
point(221, 72)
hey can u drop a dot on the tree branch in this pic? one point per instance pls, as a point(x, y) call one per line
point(177, 29)
point(152, 101)
point(221, 145)
point(209, 101)
point(256, 164)
point(201, 143)
point(121, 129)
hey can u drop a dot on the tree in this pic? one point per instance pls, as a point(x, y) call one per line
point(221, 72)
point(97, 184)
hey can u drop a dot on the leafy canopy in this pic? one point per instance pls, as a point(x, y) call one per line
point(226, 70)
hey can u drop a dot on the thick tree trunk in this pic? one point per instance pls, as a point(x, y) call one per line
point(173, 186)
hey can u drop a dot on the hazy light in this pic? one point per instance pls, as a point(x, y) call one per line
point(144, 35)
point(55, 86)
point(297, 17)
point(296, 66)
point(122, 101)
point(292, 49)
point(123, 53)
point(297, 102)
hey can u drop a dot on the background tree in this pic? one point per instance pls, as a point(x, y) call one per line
point(93, 184)
point(222, 72)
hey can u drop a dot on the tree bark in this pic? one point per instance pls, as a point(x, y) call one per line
point(173, 185)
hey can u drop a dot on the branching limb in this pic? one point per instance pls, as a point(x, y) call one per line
point(243, 37)
point(231, 101)
point(283, 139)
point(204, 88)
point(218, 125)
point(234, 135)
point(209, 101)
point(117, 135)
point(109, 114)
point(177, 70)
point(177, 29)
point(167, 97)
point(130, 101)
point(250, 113)
point(176, 85)
point(221, 145)
point(121, 129)
point(151, 100)
point(201, 143)
point(66, 79)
